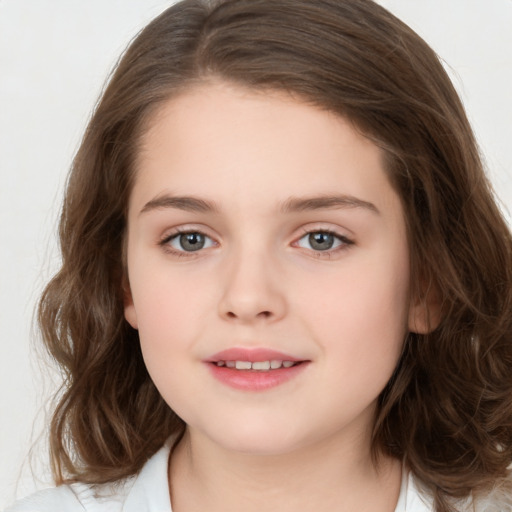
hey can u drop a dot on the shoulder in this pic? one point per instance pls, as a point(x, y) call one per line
point(75, 498)
point(417, 499)
point(498, 500)
point(146, 492)
point(60, 498)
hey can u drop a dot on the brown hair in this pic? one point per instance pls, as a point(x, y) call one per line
point(448, 409)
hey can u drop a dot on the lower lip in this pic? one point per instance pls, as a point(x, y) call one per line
point(255, 380)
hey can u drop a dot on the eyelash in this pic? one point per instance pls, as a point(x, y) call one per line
point(165, 242)
point(344, 242)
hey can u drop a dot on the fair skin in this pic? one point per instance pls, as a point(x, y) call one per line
point(248, 176)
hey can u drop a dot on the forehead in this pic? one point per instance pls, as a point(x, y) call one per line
point(233, 144)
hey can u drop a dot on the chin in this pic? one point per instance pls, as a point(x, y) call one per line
point(261, 438)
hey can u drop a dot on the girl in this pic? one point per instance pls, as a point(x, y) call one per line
point(285, 284)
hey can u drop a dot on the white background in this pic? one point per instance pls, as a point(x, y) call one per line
point(54, 59)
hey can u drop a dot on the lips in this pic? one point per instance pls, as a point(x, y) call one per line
point(261, 366)
point(254, 369)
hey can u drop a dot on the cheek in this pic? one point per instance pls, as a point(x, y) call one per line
point(360, 317)
point(165, 319)
point(174, 307)
point(162, 311)
point(168, 326)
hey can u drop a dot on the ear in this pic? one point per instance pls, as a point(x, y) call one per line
point(425, 310)
point(129, 308)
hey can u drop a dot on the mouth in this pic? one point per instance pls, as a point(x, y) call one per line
point(257, 366)
point(255, 369)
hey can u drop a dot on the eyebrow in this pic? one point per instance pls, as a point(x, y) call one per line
point(298, 204)
point(291, 205)
point(187, 203)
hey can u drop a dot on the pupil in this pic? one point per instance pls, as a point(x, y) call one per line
point(321, 241)
point(192, 241)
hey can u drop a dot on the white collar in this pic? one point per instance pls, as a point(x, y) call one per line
point(150, 489)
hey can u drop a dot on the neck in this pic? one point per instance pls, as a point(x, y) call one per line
point(334, 475)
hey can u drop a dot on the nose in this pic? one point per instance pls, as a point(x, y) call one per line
point(252, 290)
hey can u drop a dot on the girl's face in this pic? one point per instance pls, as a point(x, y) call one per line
point(264, 230)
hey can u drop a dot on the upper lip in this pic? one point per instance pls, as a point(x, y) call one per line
point(251, 355)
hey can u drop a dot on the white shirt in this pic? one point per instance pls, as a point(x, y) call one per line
point(149, 492)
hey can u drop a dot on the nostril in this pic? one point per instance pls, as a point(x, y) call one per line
point(261, 314)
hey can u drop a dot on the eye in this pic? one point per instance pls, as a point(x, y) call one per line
point(190, 241)
point(323, 241)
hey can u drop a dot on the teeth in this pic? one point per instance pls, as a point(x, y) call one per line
point(257, 365)
point(263, 365)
